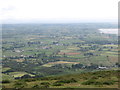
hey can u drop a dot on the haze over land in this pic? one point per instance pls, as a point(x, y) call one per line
point(59, 44)
point(109, 31)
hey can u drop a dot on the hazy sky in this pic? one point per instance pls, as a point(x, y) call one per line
point(58, 10)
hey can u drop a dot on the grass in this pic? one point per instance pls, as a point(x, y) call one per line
point(99, 79)
point(7, 77)
point(5, 69)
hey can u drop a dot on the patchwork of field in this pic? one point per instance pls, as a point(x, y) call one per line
point(42, 50)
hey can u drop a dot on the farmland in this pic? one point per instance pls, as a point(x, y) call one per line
point(45, 50)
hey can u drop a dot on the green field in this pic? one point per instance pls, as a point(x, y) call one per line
point(45, 50)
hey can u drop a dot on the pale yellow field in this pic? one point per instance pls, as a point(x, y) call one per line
point(59, 62)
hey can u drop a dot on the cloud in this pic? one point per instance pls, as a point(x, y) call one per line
point(58, 9)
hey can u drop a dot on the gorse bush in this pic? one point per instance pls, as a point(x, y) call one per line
point(108, 82)
point(98, 83)
point(30, 80)
point(44, 86)
point(40, 86)
point(89, 82)
point(61, 82)
point(19, 85)
point(45, 83)
point(36, 86)
point(57, 84)
point(5, 81)
point(94, 77)
point(67, 81)
point(93, 82)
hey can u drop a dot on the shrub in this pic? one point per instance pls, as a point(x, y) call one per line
point(45, 83)
point(89, 82)
point(44, 86)
point(108, 83)
point(36, 86)
point(40, 86)
point(94, 77)
point(98, 83)
point(19, 85)
point(72, 80)
point(67, 81)
point(93, 82)
point(30, 80)
point(5, 81)
point(57, 84)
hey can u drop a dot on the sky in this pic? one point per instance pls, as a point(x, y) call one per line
point(16, 11)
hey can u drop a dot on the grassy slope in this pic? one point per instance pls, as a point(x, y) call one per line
point(99, 79)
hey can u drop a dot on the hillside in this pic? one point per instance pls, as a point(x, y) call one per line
point(99, 79)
